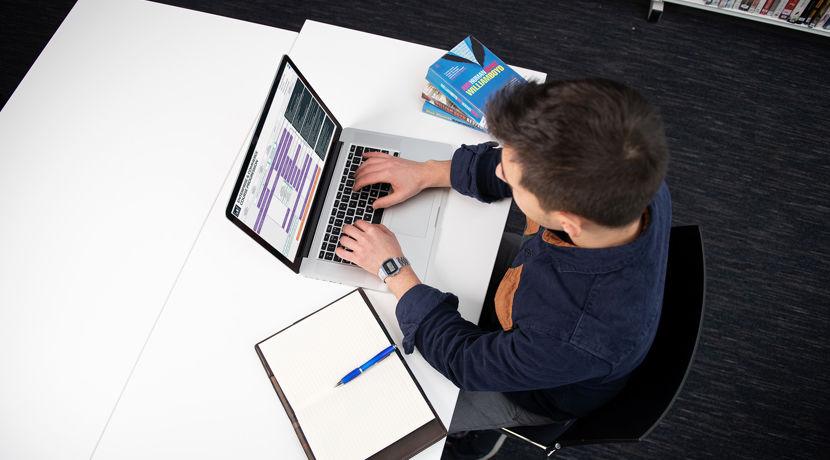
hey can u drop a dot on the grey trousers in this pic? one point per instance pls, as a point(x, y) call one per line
point(487, 410)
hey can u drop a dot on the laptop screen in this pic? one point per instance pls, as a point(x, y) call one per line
point(282, 172)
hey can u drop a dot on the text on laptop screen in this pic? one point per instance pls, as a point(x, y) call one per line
point(284, 172)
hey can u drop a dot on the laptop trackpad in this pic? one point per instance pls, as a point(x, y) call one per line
point(412, 217)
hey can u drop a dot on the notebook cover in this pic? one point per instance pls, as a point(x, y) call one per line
point(406, 447)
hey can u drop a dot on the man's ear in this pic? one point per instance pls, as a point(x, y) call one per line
point(571, 223)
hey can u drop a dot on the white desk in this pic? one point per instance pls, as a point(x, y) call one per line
point(112, 152)
point(199, 390)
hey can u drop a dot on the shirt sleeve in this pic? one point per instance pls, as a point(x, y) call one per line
point(478, 360)
point(473, 172)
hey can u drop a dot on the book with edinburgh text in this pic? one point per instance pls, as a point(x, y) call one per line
point(468, 74)
point(436, 111)
point(440, 102)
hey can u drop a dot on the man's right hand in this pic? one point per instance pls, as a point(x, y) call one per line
point(407, 177)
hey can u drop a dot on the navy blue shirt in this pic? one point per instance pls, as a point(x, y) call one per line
point(582, 319)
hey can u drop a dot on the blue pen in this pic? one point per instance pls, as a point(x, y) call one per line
point(378, 357)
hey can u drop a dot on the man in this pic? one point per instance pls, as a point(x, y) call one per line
point(579, 306)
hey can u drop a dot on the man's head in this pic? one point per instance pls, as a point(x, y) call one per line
point(593, 148)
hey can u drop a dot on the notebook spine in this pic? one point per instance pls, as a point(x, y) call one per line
point(295, 423)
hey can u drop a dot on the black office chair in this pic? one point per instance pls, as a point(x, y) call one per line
point(654, 385)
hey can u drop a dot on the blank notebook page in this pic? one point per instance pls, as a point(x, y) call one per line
point(360, 418)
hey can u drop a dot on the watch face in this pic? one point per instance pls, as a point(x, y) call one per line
point(389, 266)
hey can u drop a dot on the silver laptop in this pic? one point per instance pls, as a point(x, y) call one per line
point(295, 190)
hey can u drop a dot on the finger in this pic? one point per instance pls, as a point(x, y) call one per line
point(375, 154)
point(370, 178)
point(372, 163)
point(350, 230)
point(363, 172)
point(344, 254)
point(362, 225)
point(347, 241)
point(386, 201)
point(369, 168)
point(377, 160)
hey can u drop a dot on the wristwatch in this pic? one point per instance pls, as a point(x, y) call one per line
point(391, 267)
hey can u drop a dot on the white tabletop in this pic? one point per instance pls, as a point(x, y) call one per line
point(199, 390)
point(114, 148)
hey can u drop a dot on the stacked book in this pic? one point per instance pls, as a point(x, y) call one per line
point(809, 13)
point(460, 82)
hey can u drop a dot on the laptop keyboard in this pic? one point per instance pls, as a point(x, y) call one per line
point(351, 205)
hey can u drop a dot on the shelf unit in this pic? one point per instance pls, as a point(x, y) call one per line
point(656, 11)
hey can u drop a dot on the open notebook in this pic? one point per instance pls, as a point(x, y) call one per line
point(383, 413)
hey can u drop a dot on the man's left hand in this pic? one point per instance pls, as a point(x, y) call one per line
point(369, 245)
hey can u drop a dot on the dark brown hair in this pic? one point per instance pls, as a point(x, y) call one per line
point(595, 147)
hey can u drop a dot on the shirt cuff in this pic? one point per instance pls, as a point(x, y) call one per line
point(471, 170)
point(418, 302)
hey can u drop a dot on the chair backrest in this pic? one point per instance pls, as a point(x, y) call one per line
point(654, 385)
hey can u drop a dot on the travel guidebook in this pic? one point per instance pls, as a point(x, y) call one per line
point(434, 110)
point(437, 102)
point(468, 74)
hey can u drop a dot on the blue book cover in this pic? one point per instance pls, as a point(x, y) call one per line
point(434, 110)
point(468, 74)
